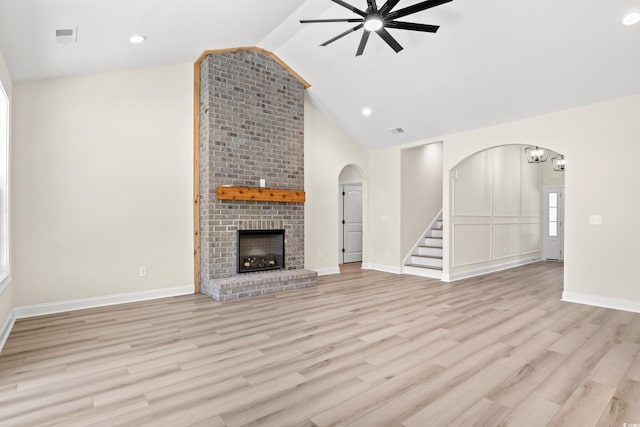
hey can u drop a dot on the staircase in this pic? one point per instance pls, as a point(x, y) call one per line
point(426, 257)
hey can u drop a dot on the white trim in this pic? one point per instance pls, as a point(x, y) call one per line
point(6, 328)
point(6, 277)
point(422, 236)
point(380, 267)
point(486, 270)
point(327, 271)
point(423, 272)
point(80, 304)
point(600, 301)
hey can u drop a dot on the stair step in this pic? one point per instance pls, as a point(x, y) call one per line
point(428, 256)
point(433, 251)
point(432, 241)
point(422, 266)
point(426, 261)
point(436, 233)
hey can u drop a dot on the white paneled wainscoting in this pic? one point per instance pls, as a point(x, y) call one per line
point(495, 214)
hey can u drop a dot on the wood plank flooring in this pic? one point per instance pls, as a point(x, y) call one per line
point(364, 348)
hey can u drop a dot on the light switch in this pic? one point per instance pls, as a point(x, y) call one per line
point(595, 219)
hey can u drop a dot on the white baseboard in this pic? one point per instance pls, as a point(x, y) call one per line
point(327, 271)
point(423, 272)
point(80, 304)
point(381, 267)
point(486, 270)
point(6, 328)
point(600, 301)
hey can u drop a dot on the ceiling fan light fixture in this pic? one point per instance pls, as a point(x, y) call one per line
point(373, 23)
point(377, 20)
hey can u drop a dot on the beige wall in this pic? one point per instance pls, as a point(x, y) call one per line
point(600, 261)
point(103, 167)
point(421, 191)
point(6, 287)
point(495, 211)
point(383, 245)
point(327, 151)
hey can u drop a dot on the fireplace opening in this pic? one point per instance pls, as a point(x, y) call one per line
point(260, 250)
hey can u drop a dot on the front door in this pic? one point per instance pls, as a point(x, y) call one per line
point(352, 223)
point(553, 227)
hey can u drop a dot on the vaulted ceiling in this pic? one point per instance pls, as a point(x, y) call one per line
point(492, 61)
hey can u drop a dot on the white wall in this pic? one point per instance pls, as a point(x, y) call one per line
point(327, 151)
point(103, 168)
point(383, 245)
point(6, 288)
point(495, 211)
point(421, 186)
point(600, 261)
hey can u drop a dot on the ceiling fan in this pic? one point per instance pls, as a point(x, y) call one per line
point(378, 20)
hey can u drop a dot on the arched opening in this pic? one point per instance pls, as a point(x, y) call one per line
point(350, 215)
point(505, 210)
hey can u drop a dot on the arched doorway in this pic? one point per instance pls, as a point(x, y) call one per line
point(504, 211)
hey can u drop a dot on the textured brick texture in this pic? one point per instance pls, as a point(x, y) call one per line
point(258, 284)
point(252, 127)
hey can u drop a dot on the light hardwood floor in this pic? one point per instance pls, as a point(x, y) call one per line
point(364, 348)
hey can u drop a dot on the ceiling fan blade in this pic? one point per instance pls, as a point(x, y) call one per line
point(373, 7)
point(418, 7)
point(351, 8)
point(389, 39)
point(363, 42)
point(386, 8)
point(339, 36)
point(412, 26)
point(312, 21)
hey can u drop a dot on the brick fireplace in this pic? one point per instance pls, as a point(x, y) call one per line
point(251, 128)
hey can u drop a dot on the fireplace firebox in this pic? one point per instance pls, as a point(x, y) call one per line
point(260, 250)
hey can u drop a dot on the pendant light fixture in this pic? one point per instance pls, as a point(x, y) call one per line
point(536, 154)
point(558, 163)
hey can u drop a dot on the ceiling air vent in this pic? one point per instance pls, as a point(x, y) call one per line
point(67, 35)
point(397, 131)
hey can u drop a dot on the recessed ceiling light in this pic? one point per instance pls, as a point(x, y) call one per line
point(366, 111)
point(631, 18)
point(137, 39)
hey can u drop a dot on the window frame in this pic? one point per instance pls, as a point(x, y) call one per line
point(5, 220)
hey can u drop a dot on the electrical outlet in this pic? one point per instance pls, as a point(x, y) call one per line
point(142, 271)
point(262, 183)
point(595, 219)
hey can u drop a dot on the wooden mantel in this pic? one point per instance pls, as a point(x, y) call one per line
point(260, 194)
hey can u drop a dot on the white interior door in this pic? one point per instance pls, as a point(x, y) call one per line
point(553, 227)
point(352, 223)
